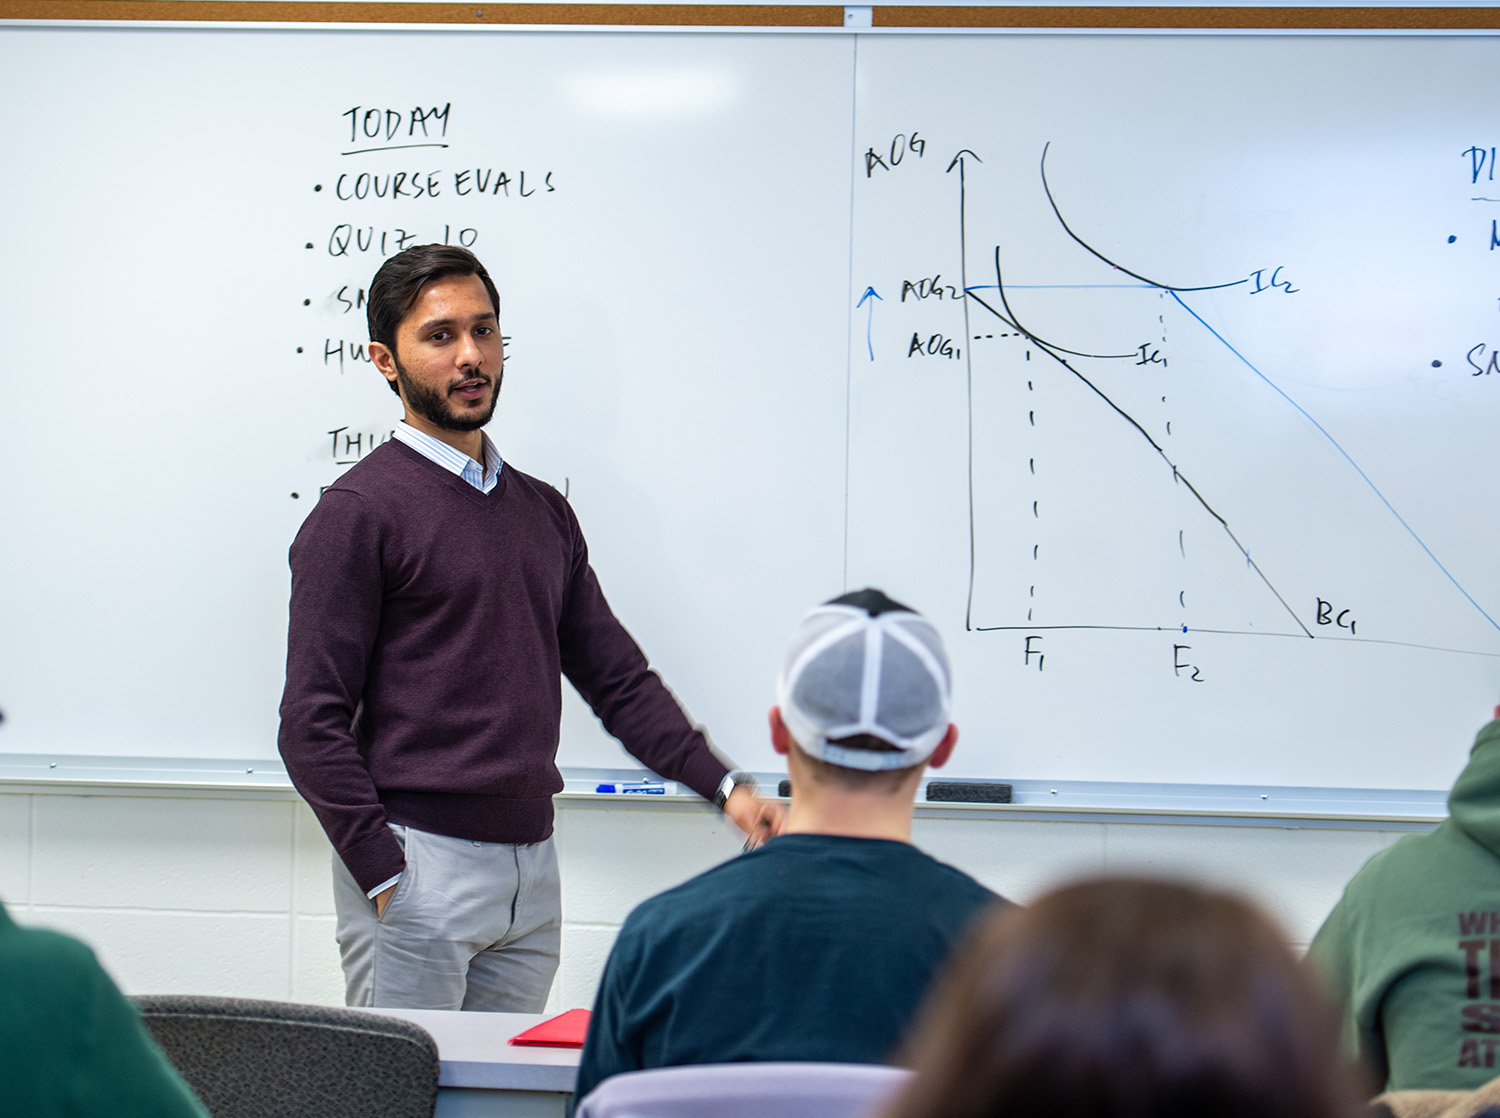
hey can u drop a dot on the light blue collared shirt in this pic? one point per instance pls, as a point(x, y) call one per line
point(453, 460)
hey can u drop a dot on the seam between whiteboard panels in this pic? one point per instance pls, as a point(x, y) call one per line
point(849, 295)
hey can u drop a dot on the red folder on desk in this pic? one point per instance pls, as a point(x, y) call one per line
point(566, 1030)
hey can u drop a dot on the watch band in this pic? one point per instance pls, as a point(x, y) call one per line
point(732, 780)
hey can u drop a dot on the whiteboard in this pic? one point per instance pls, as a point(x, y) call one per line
point(674, 308)
point(1195, 477)
point(694, 358)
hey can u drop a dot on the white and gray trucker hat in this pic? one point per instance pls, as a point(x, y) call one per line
point(864, 664)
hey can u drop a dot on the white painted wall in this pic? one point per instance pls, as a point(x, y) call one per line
point(228, 893)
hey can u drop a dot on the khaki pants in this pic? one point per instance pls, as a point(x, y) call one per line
point(472, 925)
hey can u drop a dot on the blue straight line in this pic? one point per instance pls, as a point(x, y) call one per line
point(1335, 444)
point(1057, 286)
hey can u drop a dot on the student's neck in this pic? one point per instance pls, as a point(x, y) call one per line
point(822, 811)
point(467, 442)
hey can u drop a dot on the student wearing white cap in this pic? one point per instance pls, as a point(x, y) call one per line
point(821, 944)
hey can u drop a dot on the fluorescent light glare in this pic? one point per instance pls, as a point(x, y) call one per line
point(656, 93)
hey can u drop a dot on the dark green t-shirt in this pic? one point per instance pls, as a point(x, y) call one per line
point(814, 947)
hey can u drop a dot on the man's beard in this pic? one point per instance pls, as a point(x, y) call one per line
point(432, 404)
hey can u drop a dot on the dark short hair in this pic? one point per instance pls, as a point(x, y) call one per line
point(1129, 999)
point(847, 779)
point(397, 286)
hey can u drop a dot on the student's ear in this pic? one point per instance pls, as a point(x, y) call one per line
point(944, 748)
point(781, 737)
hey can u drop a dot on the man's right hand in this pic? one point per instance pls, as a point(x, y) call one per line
point(382, 899)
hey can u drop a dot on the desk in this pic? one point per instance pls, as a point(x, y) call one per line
point(482, 1075)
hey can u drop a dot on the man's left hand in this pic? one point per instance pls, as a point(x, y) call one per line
point(760, 819)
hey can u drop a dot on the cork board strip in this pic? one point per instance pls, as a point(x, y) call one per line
point(474, 14)
point(759, 15)
point(1207, 18)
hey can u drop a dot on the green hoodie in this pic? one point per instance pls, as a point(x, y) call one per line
point(1412, 950)
point(71, 1045)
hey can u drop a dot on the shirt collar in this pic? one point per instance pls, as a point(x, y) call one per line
point(453, 460)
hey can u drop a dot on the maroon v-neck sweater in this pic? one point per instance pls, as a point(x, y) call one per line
point(430, 626)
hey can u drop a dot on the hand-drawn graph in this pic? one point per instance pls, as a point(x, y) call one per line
point(1117, 408)
point(1181, 396)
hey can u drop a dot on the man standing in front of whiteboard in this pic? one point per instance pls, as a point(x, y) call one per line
point(438, 596)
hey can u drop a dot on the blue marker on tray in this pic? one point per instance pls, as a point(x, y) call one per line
point(634, 788)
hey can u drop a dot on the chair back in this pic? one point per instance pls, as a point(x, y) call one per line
point(785, 1090)
point(248, 1058)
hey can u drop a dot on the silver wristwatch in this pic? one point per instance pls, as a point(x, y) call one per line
point(732, 780)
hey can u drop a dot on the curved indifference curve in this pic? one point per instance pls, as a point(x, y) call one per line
point(1095, 252)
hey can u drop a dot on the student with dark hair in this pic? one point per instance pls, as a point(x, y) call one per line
point(1128, 999)
point(821, 944)
point(439, 595)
